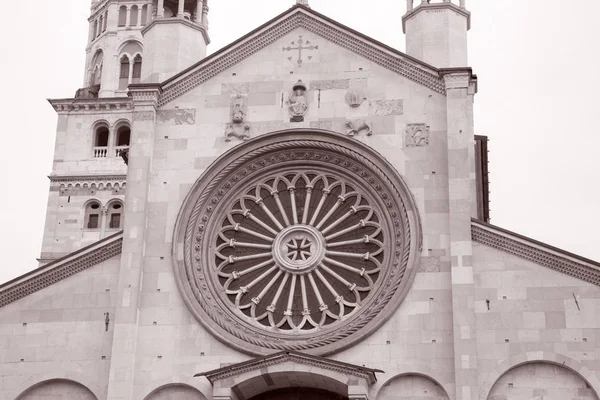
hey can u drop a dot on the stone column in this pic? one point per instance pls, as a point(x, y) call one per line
point(160, 12)
point(130, 77)
point(180, 9)
point(104, 213)
point(149, 12)
point(205, 14)
point(199, 11)
point(460, 89)
point(122, 363)
point(139, 16)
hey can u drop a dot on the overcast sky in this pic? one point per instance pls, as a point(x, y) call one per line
point(537, 63)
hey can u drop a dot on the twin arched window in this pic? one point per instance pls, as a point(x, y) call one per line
point(109, 142)
point(130, 65)
point(103, 218)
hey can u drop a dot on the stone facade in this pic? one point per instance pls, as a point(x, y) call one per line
point(478, 313)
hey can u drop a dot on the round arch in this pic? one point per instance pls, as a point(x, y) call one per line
point(156, 386)
point(130, 40)
point(548, 357)
point(71, 376)
point(422, 371)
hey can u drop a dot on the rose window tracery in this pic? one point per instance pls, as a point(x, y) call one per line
point(296, 240)
point(299, 251)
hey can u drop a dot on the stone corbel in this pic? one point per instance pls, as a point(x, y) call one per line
point(459, 78)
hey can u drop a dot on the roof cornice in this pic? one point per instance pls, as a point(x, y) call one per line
point(60, 269)
point(301, 17)
point(85, 105)
point(433, 7)
point(535, 251)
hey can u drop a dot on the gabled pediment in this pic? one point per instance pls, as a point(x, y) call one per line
point(290, 369)
point(301, 17)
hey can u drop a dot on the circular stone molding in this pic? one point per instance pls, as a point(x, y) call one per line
point(296, 240)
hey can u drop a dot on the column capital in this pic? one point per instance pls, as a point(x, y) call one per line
point(459, 78)
point(145, 94)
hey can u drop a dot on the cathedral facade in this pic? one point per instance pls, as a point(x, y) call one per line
point(301, 214)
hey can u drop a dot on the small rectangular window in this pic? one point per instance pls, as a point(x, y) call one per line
point(115, 221)
point(93, 221)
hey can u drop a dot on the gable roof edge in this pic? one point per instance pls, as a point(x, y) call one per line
point(535, 251)
point(59, 269)
point(325, 27)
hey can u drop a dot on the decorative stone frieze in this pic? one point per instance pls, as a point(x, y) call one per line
point(145, 94)
point(313, 243)
point(177, 116)
point(61, 269)
point(387, 107)
point(307, 19)
point(235, 88)
point(330, 84)
point(67, 184)
point(539, 253)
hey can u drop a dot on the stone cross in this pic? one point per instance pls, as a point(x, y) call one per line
point(303, 2)
point(300, 47)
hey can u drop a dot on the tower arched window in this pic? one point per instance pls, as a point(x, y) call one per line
point(122, 16)
point(105, 21)
point(93, 214)
point(122, 139)
point(130, 67)
point(144, 15)
point(96, 69)
point(133, 15)
point(100, 25)
point(114, 217)
point(137, 69)
point(101, 141)
point(124, 73)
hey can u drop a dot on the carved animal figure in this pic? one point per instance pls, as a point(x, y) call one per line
point(357, 125)
point(241, 132)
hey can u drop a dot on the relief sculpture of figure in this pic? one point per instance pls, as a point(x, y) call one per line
point(238, 128)
point(298, 102)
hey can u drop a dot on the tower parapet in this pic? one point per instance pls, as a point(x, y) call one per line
point(436, 32)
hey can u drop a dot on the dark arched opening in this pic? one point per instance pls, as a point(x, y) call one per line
point(299, 393)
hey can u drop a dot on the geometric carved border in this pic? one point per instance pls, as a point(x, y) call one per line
point(61, 269)
point(488, 235)
point(332, 31)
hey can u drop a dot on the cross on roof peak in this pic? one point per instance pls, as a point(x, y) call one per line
point(303, 2)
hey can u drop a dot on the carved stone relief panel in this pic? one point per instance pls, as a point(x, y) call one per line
point(417, 135)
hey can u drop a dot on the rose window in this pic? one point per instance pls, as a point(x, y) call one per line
point(296, 240)
point(299, 251)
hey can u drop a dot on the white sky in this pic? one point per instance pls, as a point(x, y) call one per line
point(537, 63)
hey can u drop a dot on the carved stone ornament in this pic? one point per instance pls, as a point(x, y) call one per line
point(239, 110)
point(417, 135)
point(298, 102)
point(354, 98)
point(355, 126)
point(296, 244)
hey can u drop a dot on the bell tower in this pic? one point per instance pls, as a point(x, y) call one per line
point(436, 32)
point(175, 39)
